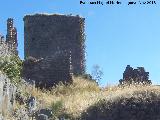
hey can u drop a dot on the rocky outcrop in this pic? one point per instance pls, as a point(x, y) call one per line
point(43, 114)
point(7, 95)
point(4, 49)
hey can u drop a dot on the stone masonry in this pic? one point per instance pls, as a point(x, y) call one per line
point(49, 71)
point(47, 36)
point(11, 37)
point(10, 44)
point(138, 75)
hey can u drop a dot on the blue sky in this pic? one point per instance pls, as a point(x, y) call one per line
point(116, 35)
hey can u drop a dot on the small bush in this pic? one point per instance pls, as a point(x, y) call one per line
point(58, 111)
point(12, 67)
point(57, 108)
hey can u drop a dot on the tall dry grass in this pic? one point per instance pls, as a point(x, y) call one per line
point(83, 93)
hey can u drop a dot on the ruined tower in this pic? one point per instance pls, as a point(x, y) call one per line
point(131, 75)
point(55, 35)
point(11, 37)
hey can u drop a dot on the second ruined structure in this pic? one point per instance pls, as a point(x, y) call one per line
point(10, 44)
point(11, 37)
point(139, 76)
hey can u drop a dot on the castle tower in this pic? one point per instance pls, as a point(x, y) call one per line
point(11, 37)
point(44, 35)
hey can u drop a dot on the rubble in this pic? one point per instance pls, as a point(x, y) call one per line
point(138, 76)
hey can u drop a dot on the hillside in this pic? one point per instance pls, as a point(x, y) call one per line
point(84, 100)
point(128, 103)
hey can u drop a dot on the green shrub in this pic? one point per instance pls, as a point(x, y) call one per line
point(12, 67)
point(57, 108)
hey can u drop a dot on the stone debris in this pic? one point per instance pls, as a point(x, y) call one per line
point(139, 76)
point(42, 117)
point(45, 111)
point(31, 105)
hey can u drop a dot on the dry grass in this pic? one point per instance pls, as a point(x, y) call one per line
point(82, 94)
point(125, 103)
point(75, 97)
point(132, 91)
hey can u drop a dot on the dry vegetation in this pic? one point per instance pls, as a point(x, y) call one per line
point(126, 103)
point(84, 96)
point(75, 97)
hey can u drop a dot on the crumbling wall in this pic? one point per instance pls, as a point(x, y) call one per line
point(11, 37)
point(138, 75)
point(48, 71)
point(9, 45)
point(46, 35)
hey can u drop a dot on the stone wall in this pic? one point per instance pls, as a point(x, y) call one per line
point(46, 34)
point(11, 37)
point(9, 45)
point(56, 42)
point(48, 71)
point(138, 75)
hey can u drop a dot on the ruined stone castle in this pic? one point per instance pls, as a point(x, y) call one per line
point(10, 44)
point(139, 76)
point(54, 48)
point(11, 37)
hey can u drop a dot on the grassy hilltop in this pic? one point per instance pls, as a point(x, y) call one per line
point(84, 100)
